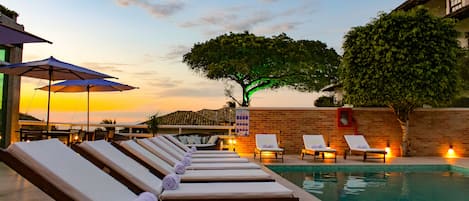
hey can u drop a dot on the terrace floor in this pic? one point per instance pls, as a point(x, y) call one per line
point(13, 187)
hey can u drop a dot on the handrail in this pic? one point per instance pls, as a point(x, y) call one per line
point(130, 126)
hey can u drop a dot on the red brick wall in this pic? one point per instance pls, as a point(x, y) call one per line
point(431, 130)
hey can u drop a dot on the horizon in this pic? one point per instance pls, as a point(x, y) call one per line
point(142, 42)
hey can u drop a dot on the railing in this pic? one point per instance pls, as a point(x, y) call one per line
point(83, 126)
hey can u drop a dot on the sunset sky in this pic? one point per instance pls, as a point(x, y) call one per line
point(142, 42)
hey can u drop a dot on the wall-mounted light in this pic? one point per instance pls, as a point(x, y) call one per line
point(450, 153)
point(388, 149)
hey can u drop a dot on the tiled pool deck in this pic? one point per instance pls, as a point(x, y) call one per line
point(13, 187)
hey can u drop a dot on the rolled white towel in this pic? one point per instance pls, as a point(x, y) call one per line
point(194, 149)
point(187, 154)
point(146, 196)
point(171, 182)
point(179, 168)
point(186, 161)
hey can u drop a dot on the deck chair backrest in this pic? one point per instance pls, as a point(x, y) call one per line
point(155, 149)
point(314, 141)
point(167, 148)
point(266, 141)
point(146, 156)
point(356, 142)
point(124, 165)
point(65, 169)
point(177, 142)
point(170, 144)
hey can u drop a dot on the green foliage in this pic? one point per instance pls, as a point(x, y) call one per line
point(460, 102)
point(9, 13)
point(326, 101)
point(464, 68)
point(109, 121)
point(152, 124)
point(256, 62)
point(402, 60)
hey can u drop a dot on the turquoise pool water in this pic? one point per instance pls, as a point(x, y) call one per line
point(380, 182)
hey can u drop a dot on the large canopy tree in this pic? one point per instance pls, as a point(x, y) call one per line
point(256, 62)
point(402, 60)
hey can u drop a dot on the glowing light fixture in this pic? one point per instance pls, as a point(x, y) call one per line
point(450, 153)
point(388, 149)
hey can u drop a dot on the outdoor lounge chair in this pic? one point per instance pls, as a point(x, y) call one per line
point(185, 148)
point(315, 145)
point(267, 143)
point(173, 148)
point(154, 148)
point(134, 150)
point(64, 175)
point(357, 143)
point(104, 155)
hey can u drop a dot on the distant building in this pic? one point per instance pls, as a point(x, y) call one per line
point(458, 9)
point(220, 117)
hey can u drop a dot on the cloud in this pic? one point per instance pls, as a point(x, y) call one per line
point(144, 73)
point(277, 28)
point(242, 18)
point(193, 92)
point(159, 10)
point(176, 52)
point(108, 67)
point(163, 82)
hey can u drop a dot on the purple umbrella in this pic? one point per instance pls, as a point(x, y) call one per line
point(94, 85)
point(9, 35)
point(51, 69)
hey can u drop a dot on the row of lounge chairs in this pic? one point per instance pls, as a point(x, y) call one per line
point(137, 170)
point(315, 145)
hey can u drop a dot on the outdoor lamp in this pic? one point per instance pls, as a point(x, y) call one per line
point(388, 148)
point(450, 150)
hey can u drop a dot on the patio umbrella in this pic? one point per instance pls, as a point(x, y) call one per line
point(51, 69)
point(10, 35)
point(93, 85)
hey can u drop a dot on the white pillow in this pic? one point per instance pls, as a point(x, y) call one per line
point(183, 139)
point(212, 139)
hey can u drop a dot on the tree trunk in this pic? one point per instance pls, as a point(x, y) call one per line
point(245, 98)
point(405, 146)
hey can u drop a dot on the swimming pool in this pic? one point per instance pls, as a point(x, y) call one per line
point(380, 182)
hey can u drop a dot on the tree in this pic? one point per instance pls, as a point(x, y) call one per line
point(256, 63)
point(402, 60)
point(109, 121)
point(153, 124)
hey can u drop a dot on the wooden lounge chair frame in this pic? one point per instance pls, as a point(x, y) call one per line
point(161, 175)
point(56, 193)
point(316, 153)
point(127, 182)
point(34, 177)
point(276, 152)
point(365, 153)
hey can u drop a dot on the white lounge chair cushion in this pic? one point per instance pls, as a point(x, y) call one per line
point(237, 190)
point(123, 164)
point(162, 145)
point(215, 156)
point(214, 152)
point(212, 139)
point(316, 143)
point(267, 142)
point(223, 175)
point(172, 145)
point(186, 148)
point(219, 160)
point(75, 175)
point(147, 156)
point(359, 143)
point(203, 145)
point(154, 149)
point(222, 166)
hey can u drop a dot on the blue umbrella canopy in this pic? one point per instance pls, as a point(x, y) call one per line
point(10, 35)
point(93, 85)
point(51, 69)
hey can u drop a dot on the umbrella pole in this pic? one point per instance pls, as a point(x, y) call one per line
point(48, 99)
point(88, 112)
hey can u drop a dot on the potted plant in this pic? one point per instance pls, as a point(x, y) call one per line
point(152, 124)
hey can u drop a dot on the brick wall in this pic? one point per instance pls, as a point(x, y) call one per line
point(431, 130)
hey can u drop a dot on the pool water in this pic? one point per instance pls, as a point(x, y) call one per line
point(380, 183)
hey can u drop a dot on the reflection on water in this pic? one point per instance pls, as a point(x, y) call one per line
point(382, 186)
